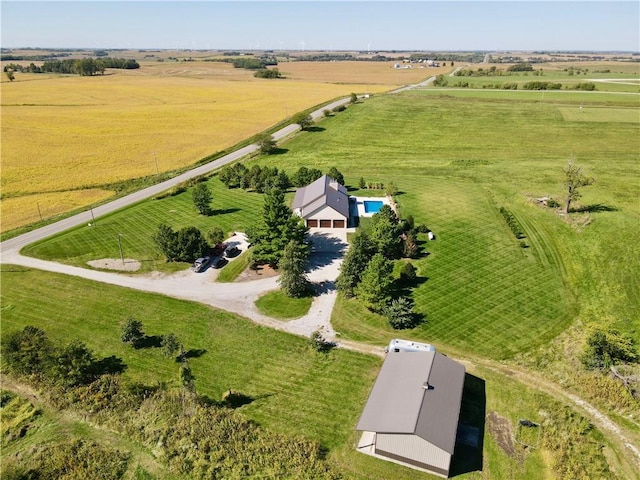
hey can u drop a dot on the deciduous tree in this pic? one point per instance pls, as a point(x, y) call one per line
point(305, 121)
point(265, 142)
point(202, 198)
point(574, 179)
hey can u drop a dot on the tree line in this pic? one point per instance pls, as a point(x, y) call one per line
point(84, 66)
point(367, 269)
point(260, 179)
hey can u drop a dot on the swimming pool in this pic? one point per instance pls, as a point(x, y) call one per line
point(372, 206)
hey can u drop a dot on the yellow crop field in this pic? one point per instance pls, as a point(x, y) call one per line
point(368, 73)
point(64, 132)
point(19, 211)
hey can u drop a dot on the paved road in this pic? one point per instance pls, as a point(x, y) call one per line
point(17, 243)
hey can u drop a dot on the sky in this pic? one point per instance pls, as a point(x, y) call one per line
point(324, 25)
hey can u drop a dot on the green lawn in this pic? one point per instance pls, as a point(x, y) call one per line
point(456, 161)
point(295, 389)
point(232, 210)
point(278, 305)
point(281, 371)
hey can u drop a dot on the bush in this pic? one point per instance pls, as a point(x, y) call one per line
point(132, 332)
point(400, 313)
point(408, 272)
point(319, 343)
point(605, 346)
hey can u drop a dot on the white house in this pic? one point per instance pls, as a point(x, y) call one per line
point(323, 204)
point(411, 416)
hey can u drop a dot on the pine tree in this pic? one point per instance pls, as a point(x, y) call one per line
point(293, 278)
point(354, 263)
point(373, 289)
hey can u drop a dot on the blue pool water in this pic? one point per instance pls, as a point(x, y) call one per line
point(371, 206)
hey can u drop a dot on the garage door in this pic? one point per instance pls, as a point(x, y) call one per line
point(312, 223)
point(338, 224)
point(325, 223)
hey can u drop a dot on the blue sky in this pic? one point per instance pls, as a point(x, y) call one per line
point(324, 25)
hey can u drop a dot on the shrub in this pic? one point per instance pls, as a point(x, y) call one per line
point(408, 272)
point(605, 346)
point(319, 343)
point(400, 313)
point(132, 332)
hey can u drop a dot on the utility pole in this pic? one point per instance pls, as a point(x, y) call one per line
point(40, 213)
point(120, 245)
point(92, 217)
point(156, 160)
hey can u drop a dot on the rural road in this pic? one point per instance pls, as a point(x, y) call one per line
point(17, 243)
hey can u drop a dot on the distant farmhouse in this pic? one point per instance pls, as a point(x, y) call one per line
point(323, 204)
point(411, 416)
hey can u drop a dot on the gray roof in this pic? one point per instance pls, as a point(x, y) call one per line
point(325, 191)
point(398, 403)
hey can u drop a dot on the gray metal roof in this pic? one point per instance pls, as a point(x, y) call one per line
point(325, 191)
point(399, 403)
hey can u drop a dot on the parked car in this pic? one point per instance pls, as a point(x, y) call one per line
point(221, 262)
point(201, 264)
point(232, 252)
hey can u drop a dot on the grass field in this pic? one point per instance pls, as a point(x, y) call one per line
point(66, 133)
point(456, 162)
point(295, 390)
point(278, 305)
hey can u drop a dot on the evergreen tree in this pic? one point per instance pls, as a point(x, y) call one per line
point(277, 228)
point(336, 175)
point(132, 332)
point(354, 263)
point(385, 232)
point(373, 289)
point(400, 313)
point(293, 278)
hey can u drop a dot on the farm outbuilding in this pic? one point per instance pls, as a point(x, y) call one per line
point(411, 416)
point(323, 204)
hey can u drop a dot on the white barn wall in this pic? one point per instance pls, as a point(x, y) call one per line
point(326, 213)
point(412, 447)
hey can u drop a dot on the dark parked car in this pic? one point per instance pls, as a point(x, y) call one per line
point(221, 262)
point(201, 264)
point(232, 252)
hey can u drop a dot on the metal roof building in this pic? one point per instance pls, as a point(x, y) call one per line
point(323, 203)
point(411, 416)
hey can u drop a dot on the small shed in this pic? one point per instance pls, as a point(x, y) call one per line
point(411, 416)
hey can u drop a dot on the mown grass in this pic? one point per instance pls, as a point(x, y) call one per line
point(232, 209)
point(232, 270)
point(294, 389)
point(456, 161)
point(279, 371)
point(277, 304)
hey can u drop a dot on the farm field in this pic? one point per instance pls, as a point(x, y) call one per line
point(457, 156)
point(65, 134)
point(279, 370)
